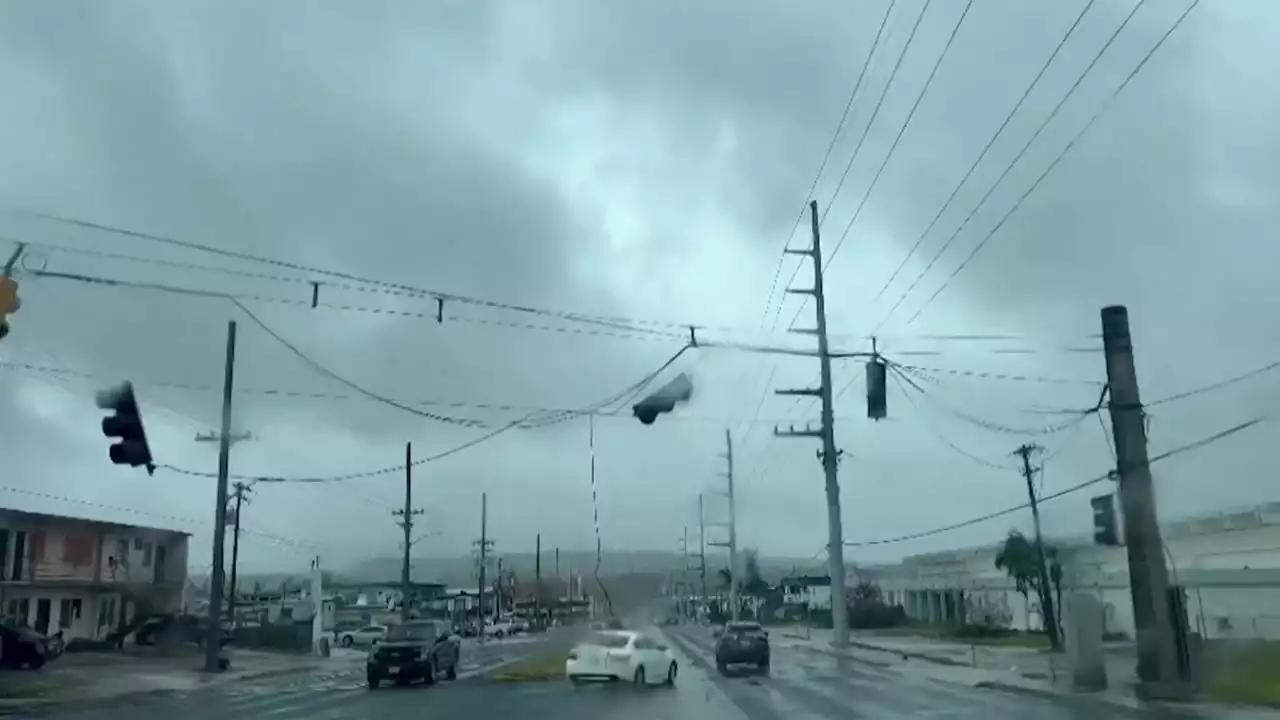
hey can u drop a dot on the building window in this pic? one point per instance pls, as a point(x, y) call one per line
point(68, 612)
point(146, 555)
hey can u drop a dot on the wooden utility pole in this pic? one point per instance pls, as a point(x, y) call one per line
point(1148, 575)
point(406, 523)
point(241, 495)
point(483, 543)
point(702, 550)
point(537, 578)
point(829, 455)
point(1042, 567)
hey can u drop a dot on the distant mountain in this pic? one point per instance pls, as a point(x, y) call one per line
point(460, 571)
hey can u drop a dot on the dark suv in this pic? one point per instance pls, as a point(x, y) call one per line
point(742, 643)
point(415, 650)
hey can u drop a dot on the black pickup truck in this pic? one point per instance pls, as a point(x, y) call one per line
point(415, 650)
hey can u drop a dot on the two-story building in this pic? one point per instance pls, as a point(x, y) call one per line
point(86, 577)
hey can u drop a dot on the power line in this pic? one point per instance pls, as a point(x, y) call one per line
point(280, 539)
point(1215, 385)
point(849, 166)
point(1074, 140)
point(893, 74)
point(943, 438)
point(1012, 163)
point(902, 130)
point(987, 424)
point(590, 409)
point(1011, 377)
point(613, 322)
point(315, 365)
point(1052, 496)
point(990, 143)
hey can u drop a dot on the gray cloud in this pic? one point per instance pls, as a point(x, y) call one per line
point(635, 160)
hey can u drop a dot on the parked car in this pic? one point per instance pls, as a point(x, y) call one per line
point(742, 643)
point(621, 655)
point(415, 650)
point(499, 628)
point(23, 647)
point(363, 637)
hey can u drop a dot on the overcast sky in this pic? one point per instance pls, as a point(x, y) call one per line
point(639, 160)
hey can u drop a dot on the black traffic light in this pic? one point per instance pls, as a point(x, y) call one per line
point(125, 423)
point(1106, 530)
point(664, 399)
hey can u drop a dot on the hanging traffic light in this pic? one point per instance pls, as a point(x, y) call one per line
point(664, 399)
point(877, 397)
point(9, 302)
point(125, 423)
point(1106, 530)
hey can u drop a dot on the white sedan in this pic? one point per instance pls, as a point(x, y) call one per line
point(621, 655)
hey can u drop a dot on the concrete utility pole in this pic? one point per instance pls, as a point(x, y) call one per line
point(702, 549)
point(1148, 575)
point(734, 578)
point(406, 523)
point(213, 640)
point(829, 455)
point(1025, 452)
point(241, 496)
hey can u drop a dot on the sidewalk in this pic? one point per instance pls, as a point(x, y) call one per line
point(89, 677)
point(1010, 669)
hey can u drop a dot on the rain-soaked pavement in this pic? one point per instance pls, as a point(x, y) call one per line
point(803, 685)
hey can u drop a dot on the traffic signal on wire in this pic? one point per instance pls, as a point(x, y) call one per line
point(125, 424)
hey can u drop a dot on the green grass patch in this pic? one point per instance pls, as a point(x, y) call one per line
point(1245, 672)
point(543, 665)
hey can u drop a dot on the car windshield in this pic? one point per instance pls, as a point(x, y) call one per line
point(607, 640)
point(745, 629)
point(412, 631)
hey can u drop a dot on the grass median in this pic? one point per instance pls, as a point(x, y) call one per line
point(542, 665)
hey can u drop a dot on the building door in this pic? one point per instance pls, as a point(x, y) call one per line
point(43, 609)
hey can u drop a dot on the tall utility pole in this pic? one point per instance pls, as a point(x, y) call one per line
point(537, 578)
point(702, 549)
point(734, 578)
point(684, 574)
point(241, 496)
point(1025, 452)
point(1148, 576)
point(406, 523)
point(483, 543)
point(829, 455)
point(213, 641)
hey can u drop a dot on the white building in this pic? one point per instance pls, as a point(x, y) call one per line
point(1228, 564)
point(86, 577)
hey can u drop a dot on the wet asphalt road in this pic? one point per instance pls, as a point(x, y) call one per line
point(803, 685)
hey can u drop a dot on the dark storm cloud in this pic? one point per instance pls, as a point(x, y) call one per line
point(622, 158)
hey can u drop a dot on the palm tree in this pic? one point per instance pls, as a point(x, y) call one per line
point(1020, 558)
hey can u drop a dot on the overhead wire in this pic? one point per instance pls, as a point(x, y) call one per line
point(587, 410)
point(1058, 159)
point(1209, 440)
point(893, 74)
point(942, 56)
point(987, 149)
point(852, 158)
point(606, 321)
point(1012, 163)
